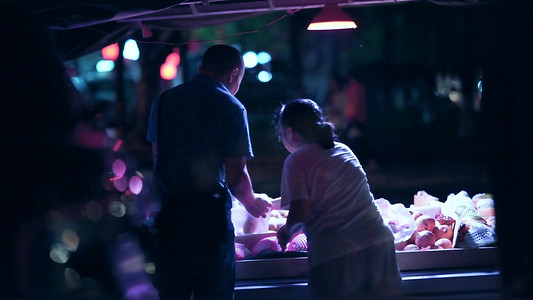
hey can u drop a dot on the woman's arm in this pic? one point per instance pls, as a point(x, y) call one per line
point(299, 212)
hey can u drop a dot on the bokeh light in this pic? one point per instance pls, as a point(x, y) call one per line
point(117, 209)
point(117, 145)
point(455, 96)
point(119, 167)
point(132, 264)
point(105, 66)
point(110, 52)
point(168, 71)
point(120, 183)
point(250, 59)
point(264, 76)
point(149, 268)
point(263, 57)
point(59, 254)
point(72, 278)
point(136, 184)
point(131, 50)
point(173, 58)
point(70, 240)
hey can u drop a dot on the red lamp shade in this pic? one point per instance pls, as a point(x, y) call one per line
point(331, 17)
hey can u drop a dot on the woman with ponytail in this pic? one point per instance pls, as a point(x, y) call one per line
point(350, 249)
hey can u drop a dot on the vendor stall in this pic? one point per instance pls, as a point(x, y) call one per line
point(470, 264)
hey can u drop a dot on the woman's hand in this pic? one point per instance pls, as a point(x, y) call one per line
point(284, 236)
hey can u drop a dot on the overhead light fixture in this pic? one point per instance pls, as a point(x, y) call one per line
point(331, 17)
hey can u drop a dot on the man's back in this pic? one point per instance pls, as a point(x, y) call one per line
point(200, 124)
point(200, 139)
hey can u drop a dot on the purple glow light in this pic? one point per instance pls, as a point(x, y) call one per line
point(117, 145)
point(119, 167)
point(121, 184)
point(136, 184)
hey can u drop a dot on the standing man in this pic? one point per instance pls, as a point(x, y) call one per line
point(200, 137)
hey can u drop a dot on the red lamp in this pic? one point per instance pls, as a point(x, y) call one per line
point(331, 17)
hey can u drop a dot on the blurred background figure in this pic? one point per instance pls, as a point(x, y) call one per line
point(336, 102)
point(355, 115)
point(345, 107)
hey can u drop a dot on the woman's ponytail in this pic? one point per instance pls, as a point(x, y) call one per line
point(306, 118)
point(325, 135)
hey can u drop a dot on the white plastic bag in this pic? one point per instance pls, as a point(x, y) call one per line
point(398, 218)
point(461, 204)
point(244, 222)
point(479, 234)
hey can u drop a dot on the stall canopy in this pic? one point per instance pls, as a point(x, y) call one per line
point(83, 26)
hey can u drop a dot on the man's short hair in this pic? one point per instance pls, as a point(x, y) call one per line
point(222, 58)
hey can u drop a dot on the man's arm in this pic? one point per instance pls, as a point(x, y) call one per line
point(240, 186)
